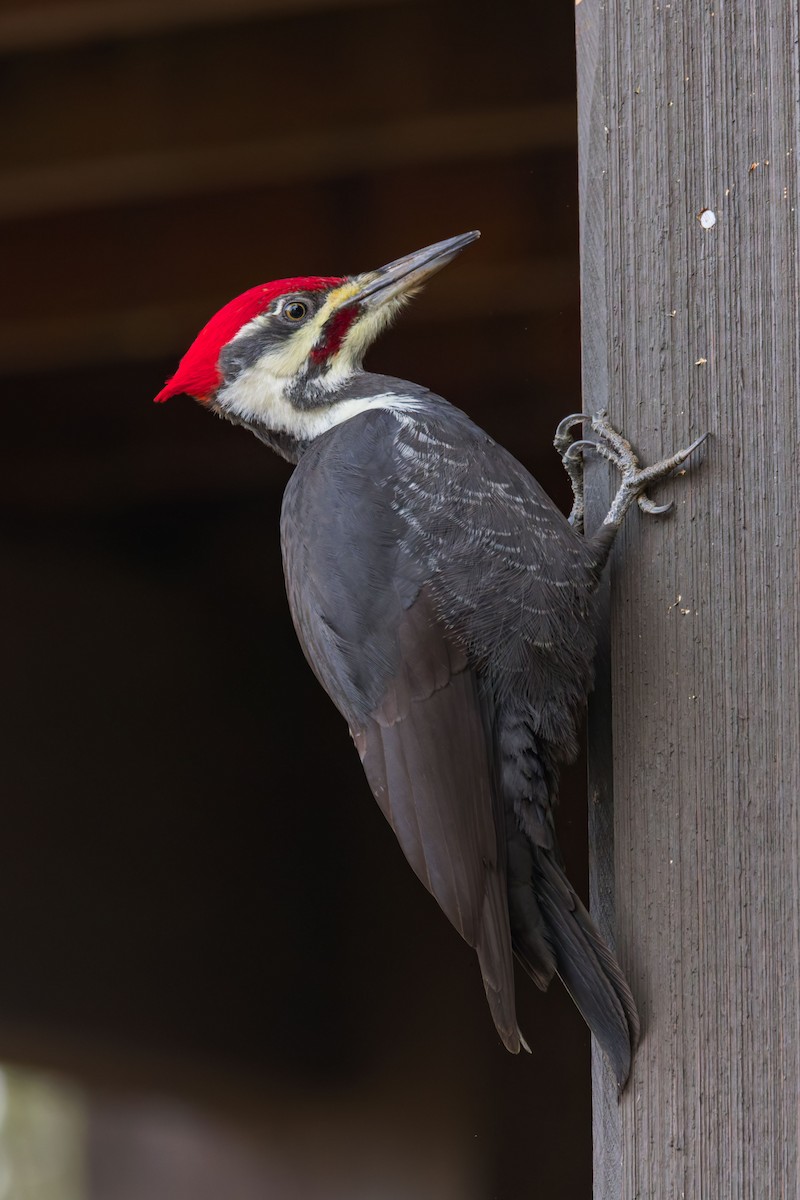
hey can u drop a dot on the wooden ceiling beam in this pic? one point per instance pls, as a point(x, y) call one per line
point(309, 155)
point(153, 331)
point(44, 25)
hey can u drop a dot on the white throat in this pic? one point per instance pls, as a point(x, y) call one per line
point(257, 397)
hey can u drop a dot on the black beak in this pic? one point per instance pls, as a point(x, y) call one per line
point(408, 273)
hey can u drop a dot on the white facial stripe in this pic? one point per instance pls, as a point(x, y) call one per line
point(250, 400)
point(288, 360)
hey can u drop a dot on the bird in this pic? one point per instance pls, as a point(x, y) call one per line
point(445, 604)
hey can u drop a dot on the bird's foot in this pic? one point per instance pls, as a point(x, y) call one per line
point(635, 478)
point(572, 457)
point(619, 452)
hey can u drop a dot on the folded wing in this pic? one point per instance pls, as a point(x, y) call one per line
point(425, 755)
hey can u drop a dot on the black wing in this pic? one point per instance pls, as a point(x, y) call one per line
point(363, 614)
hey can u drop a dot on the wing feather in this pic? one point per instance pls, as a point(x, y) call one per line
point(426, 758)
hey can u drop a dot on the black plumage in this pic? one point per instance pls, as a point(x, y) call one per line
point(452, 626)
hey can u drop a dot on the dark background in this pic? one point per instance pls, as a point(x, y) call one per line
point(198, 897)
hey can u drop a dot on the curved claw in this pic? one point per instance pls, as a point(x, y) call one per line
point(567, 423)
point(697, 443)
point(576, 449)
point(562, 438)
point(652, 509)
point(657, 510)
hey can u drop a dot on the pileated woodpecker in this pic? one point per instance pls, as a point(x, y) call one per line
point(445, 605)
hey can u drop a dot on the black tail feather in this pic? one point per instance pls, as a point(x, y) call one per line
point(585, 965)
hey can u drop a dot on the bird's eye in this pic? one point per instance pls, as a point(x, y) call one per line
point(295, 310)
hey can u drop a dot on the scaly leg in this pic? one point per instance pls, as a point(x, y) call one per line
point(619, 452)
point(635, 479)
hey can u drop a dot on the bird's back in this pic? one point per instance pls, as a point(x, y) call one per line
point(444, 601)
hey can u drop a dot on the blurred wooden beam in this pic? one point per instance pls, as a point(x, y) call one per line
point(32, 26)
point(307, 155)
point(151, 331)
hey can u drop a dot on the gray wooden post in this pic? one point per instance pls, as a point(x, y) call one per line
point(689, 125)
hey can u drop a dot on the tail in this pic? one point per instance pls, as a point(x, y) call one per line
point(556, 933)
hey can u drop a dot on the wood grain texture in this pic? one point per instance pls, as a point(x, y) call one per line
point(685, 108)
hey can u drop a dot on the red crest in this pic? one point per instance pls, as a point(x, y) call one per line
point(198, 372)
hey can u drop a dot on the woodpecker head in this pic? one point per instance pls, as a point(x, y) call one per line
point(280, 355)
